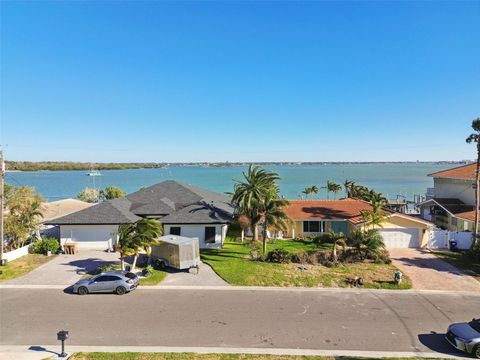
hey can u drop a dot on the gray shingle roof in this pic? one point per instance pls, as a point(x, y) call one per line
point(171, 201)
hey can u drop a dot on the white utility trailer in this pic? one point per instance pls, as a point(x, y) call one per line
point(178, 252)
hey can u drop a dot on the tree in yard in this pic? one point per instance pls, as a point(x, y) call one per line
point(249, 194)
point(348, 186)
point(138, 236)
point(274, 216)
point(244, 223)
point(338, 239)
point(333, 187)
point(89, 195)
point(24, 206)
point(475, 138)
point(111, 192)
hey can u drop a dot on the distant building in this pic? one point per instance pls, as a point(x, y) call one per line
point(451, 202)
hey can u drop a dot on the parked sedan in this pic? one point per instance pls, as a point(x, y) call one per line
point(465, 337)
point(115, 281)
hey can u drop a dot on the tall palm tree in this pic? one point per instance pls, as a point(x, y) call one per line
point(274, 216)
point(310, 190)
point(125, 244)
point(249, 194)
point(475, 137)
point(348, 186)
point(332, 187)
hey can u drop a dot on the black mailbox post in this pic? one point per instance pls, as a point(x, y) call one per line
point(62, 335)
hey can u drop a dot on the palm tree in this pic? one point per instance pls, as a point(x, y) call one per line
point(310, 190)
point(338, 239)
point(274, 216)
point(366, 243)
point(248, 195)
point(348, 185)
point(333, 187)
point(138, 236)
point(475, 137)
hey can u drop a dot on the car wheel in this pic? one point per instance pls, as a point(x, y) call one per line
point(82, 290)
point(120, 290)
point(476, 351)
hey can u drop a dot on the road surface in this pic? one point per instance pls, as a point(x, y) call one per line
point(306, 319)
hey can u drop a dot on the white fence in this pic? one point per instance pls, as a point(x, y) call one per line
point(15, 254)
point(439, 239)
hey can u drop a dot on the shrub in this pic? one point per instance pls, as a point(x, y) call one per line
point(44, 245)
point(281, 256)
point(103, 268)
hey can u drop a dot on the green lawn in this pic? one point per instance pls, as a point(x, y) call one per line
point(233, 264)
point(462, 261)
point(193, 356)
point(23, 265)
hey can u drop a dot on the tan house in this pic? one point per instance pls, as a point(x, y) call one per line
point(313, 217)
point(453, 202)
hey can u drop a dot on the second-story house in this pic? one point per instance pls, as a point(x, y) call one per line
point(451, 202)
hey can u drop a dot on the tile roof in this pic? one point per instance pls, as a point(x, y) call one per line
point(169, 200)
point(344, 209)
point(467, 215)
point(464, 172)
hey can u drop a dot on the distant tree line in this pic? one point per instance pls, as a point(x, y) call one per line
point(67, 165)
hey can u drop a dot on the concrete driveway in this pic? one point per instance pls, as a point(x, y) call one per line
point(428, 272)
point(66, 269)
point(205, 277)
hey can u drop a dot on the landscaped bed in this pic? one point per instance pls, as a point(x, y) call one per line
point(234, 265)
point(154, 278)
point(22, 266)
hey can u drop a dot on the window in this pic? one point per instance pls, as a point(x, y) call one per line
point(102, 278)
point(114, 278)
point(313, 226)
point(454, 221)
point(210, 232)
point(175, 230)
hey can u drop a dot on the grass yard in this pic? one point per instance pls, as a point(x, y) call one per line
point(233, 264)
point(193, 356)
point(22, 266)
point(462, 261)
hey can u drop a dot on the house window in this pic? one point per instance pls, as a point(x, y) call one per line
point(210, 232)
point(313, 226)
point(175, 230)
point(454, 221)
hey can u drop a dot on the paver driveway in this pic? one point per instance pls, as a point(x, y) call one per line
point(66, 269)
point(205, 277)
point(428, 272)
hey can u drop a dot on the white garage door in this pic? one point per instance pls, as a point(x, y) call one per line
point(400, 237)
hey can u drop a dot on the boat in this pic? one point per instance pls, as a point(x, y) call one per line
point(93, 173)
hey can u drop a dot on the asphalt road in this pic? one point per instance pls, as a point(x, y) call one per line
point(327, 320)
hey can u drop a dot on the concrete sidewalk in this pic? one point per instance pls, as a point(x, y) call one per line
point(10, 351)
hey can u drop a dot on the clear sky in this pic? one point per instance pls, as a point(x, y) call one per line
point(239, 81)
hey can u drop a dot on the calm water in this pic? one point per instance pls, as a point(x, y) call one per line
point(390, 179)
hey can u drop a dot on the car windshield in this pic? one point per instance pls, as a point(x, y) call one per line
point(130, 275)
point(475, 324)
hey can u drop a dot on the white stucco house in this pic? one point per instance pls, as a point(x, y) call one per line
point(182, 209)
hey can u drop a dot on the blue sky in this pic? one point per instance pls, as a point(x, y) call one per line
point(239, 81)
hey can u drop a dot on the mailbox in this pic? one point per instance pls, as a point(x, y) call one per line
point(62, 335)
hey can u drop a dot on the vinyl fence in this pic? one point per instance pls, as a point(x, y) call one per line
point(15, 254)
point(439, 239)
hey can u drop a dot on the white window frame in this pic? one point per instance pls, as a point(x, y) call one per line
point(321, 227)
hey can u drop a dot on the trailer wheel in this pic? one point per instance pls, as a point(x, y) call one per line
point(160, 264)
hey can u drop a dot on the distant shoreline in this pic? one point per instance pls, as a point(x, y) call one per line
point(18, 166)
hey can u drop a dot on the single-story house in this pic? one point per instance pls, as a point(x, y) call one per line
point(182, 209)
point(312, 217)
point(55, 209)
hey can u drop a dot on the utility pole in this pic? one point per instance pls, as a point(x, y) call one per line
point(2, 175)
